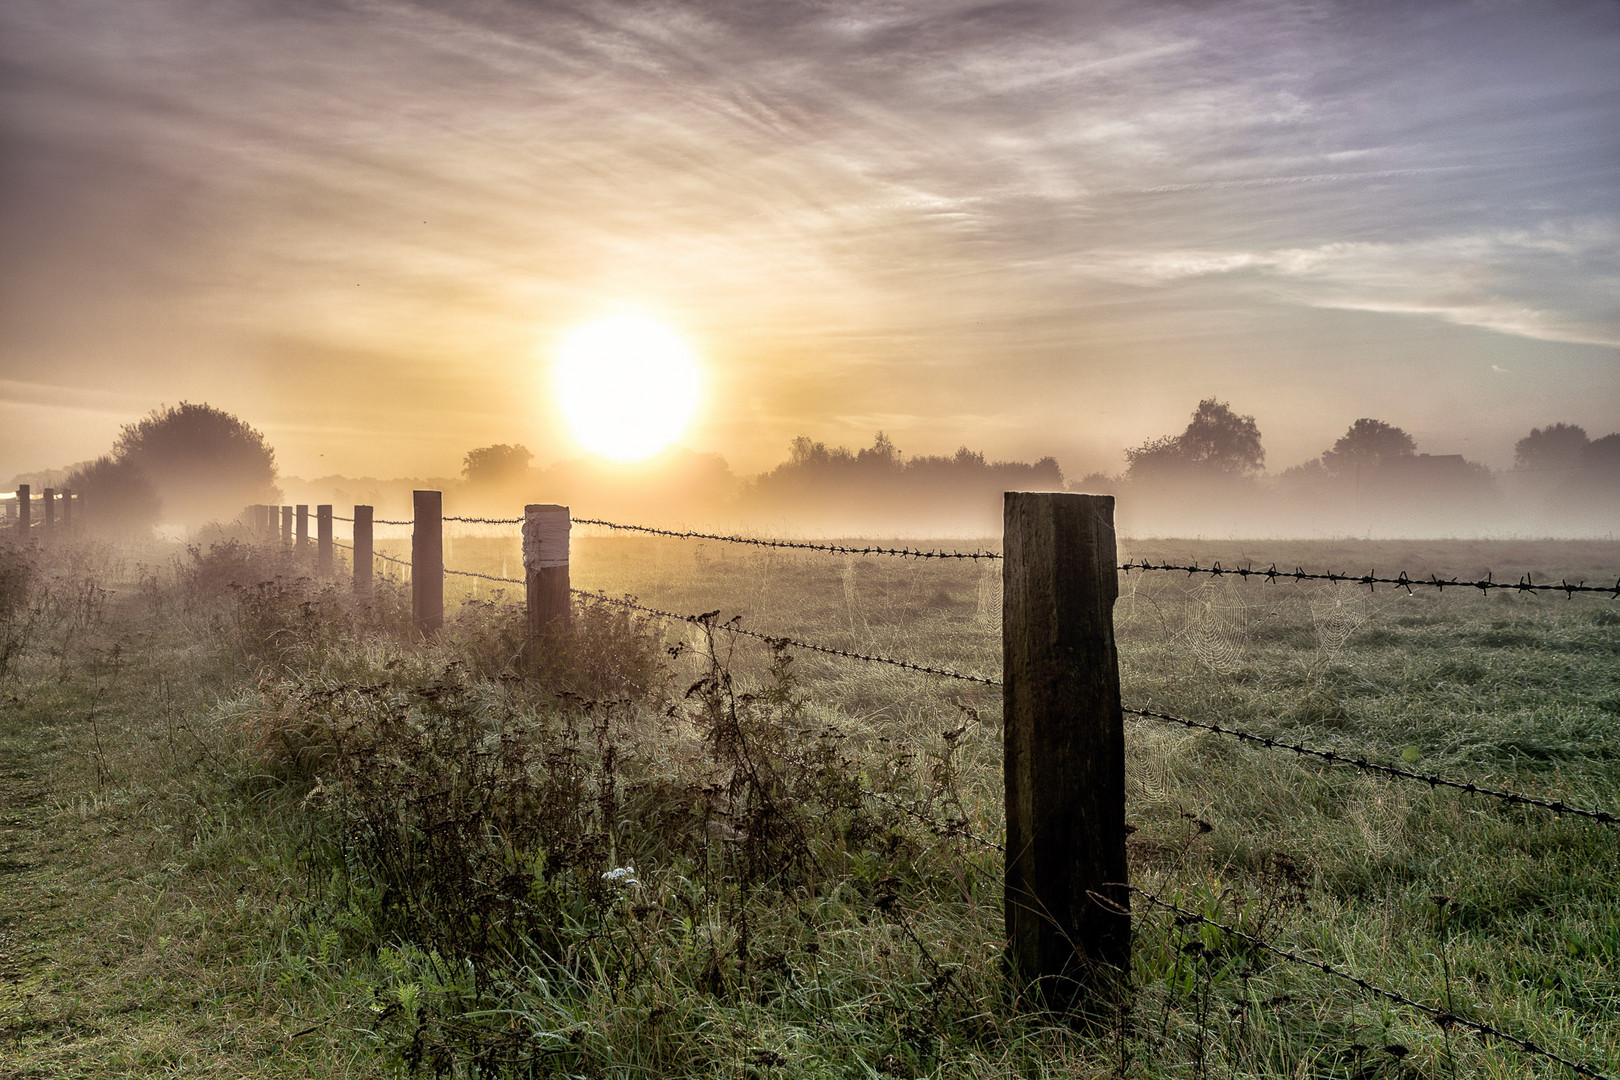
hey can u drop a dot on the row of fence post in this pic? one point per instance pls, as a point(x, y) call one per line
point(1066, 902)
point(19, 512)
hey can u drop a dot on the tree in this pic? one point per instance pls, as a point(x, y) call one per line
point(1367, 444)
point(498, 464)
point(1556, 446)
point(202, 462)
point(1218, 443)
point(115, 495)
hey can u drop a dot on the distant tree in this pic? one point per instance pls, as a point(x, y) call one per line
point(202, 462)
point(1218, 443)
point(880, 455)
point(498, 464)
point(1367, 444)
point(114, 496)
point(1556, 446)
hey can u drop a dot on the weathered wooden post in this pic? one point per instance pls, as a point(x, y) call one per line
point(25, 510)
point(427, 561)
point(323, 539)
point(67, 509)
point(1065, 751)
point(286, 526)
point(302, 544)
point(546, 528)
point(50, 510)
point(362, 551)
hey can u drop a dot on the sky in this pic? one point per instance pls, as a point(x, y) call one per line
point(1029, 228)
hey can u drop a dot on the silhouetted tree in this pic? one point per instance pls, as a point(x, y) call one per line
point(1367, 444)
point(114, 496)
point(1556, 446)
point(202, 462)
point(1218, 443)
point(498, 464)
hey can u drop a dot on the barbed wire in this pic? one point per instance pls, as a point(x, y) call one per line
point(483, 521)
point(1556, 806)
point(1444, 1018)
point(1370, 579)
point(730, 627)
point(340, 517)
point(802, 545)
point(486, 577)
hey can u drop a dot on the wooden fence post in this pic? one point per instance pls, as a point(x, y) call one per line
point(546, 528)
point(302, 531)
point(323, 539)
point(25, 510)
point(286, 526)
point(1065, 751)
point(362, 551)
point(50, 509)
point(67, 508)
point(427, 561)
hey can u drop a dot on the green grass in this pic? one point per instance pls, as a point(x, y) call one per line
point(258, 831)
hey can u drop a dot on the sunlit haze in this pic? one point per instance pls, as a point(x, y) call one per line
point(628, 386)
point(1029, 229)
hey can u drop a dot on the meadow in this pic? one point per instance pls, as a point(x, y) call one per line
point(252, 827)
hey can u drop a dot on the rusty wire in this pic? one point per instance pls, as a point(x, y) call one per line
point(731, 627)
point(1371, 579)
point(800, 545)
point(1556, 806)
point(483, 521)
point(1443, 1018)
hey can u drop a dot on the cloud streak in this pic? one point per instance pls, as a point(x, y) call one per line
point(858, 209)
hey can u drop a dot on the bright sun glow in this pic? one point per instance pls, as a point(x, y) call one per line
point(628, 386)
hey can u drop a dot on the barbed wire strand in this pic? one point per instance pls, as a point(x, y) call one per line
point(730, 627)
point(1370, 579)
point(1554, 805)
point(1442, 1017)
point(801, 545)
point(487, 577)
point(483, 520)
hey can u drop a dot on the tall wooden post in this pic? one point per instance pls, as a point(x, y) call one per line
point(50, 509)
point(67, 508)
point(427, 561)
point(25, 510)
point(362, 551)
point(1065, 751)
point(546, 528)
point(323, 539)
point(286, 526)
point(301, 544)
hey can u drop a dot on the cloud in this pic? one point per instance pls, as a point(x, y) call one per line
point(1494, 280)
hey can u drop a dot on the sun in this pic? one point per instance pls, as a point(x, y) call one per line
point(628, 386)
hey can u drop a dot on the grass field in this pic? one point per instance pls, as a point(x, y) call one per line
point(251, 828)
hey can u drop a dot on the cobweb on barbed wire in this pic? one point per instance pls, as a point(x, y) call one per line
point(1217, 628)
point(1336, 615)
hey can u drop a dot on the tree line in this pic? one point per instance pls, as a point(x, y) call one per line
point(194, 463)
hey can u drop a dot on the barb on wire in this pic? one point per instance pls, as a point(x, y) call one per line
point(1444, 1018)
point(731, 628)
point(802, 545)
point(1371, 579)
point(340, 517)
point(483, 521)
point(390, 558)
point(387, 521)
point(1556, 806)
point(486, 577)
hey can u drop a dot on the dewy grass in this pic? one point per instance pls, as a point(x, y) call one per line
point(260, 830)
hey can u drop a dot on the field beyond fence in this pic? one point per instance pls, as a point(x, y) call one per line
point(1361, 822)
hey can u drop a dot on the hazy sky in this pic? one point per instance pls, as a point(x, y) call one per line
point(1028, 227)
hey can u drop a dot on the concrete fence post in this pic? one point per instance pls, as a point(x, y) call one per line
point(1067, 907)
